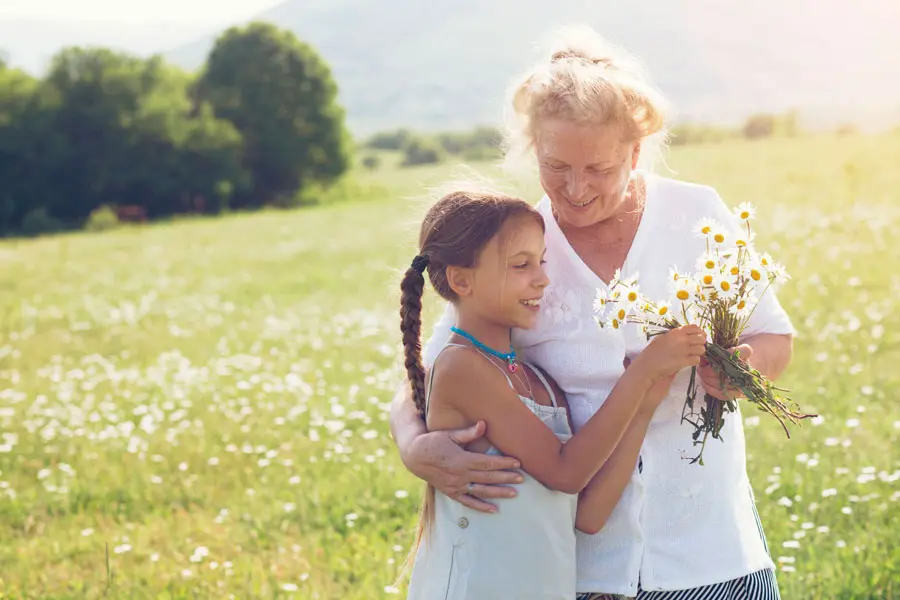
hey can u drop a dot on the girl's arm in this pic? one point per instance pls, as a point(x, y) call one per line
point(438, 458)
point(468, 384)
point(598, 499)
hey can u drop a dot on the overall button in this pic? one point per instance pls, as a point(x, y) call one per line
point(463, 523)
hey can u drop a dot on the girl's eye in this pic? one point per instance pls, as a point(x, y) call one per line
point(543, 261)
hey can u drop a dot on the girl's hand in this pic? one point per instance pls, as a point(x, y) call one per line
point(670, 352)
point(711, 381)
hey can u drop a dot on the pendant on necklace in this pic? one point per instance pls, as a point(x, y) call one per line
point(513, 367)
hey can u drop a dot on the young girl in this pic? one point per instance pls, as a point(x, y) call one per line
point(484, 252)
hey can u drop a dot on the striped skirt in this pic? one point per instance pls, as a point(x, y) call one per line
point(756, 586)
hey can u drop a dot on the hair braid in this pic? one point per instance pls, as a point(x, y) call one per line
point(411, 288)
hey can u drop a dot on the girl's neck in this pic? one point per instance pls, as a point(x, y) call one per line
point(491, 334)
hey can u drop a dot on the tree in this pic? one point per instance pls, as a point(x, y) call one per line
point(17, 93)
point(280, 96)
point(421, 151)
point(759, 126)
point(105, 128)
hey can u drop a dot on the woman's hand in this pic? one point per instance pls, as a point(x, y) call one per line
point(711, 380)
point(467, 477)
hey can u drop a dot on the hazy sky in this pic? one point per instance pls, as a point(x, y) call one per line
point(136, 10)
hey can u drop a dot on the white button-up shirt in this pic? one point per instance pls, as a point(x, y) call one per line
point(678, 525)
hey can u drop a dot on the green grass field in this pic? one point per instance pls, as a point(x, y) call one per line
point(199, 409)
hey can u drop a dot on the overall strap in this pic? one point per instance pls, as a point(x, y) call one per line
point(546, 383)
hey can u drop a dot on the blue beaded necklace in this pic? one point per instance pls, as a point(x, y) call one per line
point(509, 357)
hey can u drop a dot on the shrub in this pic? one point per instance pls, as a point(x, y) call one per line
point(102, 219)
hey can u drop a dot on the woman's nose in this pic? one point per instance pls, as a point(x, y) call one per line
point(575, 187)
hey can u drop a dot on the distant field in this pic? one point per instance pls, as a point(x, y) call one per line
point(206, 400)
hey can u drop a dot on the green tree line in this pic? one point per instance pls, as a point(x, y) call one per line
point(259, 124)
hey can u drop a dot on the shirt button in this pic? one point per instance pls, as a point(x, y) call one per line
point(463, 523)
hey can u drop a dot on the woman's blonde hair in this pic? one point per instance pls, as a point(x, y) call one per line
point(585, 80)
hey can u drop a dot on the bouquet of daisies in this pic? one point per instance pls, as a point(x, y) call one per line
point(720, 296)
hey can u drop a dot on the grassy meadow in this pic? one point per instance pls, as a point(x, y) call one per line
point(198, 409)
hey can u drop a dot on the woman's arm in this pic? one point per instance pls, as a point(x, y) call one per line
point(438, 458)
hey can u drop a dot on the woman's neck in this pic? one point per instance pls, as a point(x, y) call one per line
point(493, 335)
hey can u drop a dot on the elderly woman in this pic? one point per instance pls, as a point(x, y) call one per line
point(679, 530)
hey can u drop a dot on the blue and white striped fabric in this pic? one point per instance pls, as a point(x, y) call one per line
point(756, 586)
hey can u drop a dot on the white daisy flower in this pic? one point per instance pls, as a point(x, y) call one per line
point(724, 286)
point(707, 278)
point(707, 263)
point(684, 289)
point(706, 226)
point(743, 307)
point(662, 309)
point(612, 324)
point(601, 302)
point(745, 211)
point(743, 239)
point(631, 294)
point(720, 236)
point(777, 273)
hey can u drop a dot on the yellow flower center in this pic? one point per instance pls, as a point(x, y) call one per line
point(615, 324)
point(682, 295)
point(707, 279)
point(710, 264)
point(632, 296)
point(735, 270)
point(764, 262)
point(725, 286)
point(621, 314)
point(741, 243)
point(663, 310)
point(745, 215)
point(756, 275)
point(706, 229)
point(719, 238)
point(741, 305)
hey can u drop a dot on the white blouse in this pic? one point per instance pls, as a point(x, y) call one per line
point(678, 525)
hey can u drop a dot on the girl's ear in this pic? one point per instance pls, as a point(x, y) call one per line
point(460, 280)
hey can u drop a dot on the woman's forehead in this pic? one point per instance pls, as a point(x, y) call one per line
point(580, 142)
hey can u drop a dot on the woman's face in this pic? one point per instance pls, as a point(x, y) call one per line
point(584, 170)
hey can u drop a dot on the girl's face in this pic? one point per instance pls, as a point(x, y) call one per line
point(507, 284)
point(584, 170)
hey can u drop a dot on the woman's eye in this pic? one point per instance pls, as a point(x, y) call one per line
point(521, 266)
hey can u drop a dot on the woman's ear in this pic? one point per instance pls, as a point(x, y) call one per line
point(635, 155)
point(460, 280)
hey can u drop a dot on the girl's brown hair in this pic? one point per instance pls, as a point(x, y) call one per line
point(453, 234)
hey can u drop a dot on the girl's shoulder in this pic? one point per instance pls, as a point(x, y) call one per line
point(461, 370)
